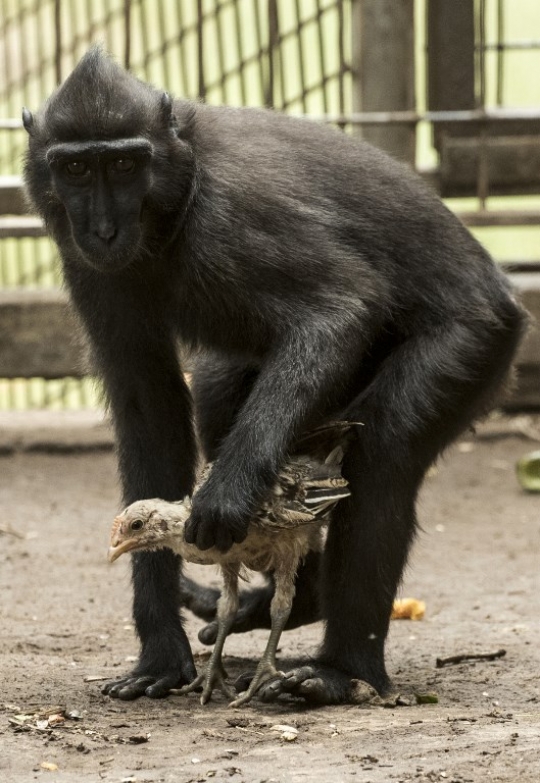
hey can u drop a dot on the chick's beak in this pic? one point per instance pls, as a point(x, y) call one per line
point(118, 548)
point(119, 545)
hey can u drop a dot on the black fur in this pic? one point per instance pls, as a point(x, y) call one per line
point(323, 279)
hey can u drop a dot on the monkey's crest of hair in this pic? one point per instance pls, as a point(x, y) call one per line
point(99, 100)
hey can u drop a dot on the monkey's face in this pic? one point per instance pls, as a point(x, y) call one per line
point(102, 186)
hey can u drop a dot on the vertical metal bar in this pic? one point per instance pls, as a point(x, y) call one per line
point(500, 51)
point(58, 40)
point(5, 83)
point(18, 390)
point(127, 33)
point(41, 58)
point(41, 260)
point(89, 6)
point(240, 51)
point(279, 59)
point(200, 50)
point(482, 52)
point(273, 37)
point(300, 46)
point(145, 33)
point(260, 48)
point(482, 180)
point(186, 66)
point(451, 55)
point(341, 53)
point(165, 51)
point(224, 82)
point(383, 60)
point(320, 37)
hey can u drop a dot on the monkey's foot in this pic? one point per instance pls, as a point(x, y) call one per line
point(265, 671)
point(319, 685)
point(165, 663)
point(213, 677)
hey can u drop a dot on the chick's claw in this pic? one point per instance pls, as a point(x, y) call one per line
point(214, 677)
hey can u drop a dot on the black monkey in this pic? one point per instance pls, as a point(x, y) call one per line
point(323, 280)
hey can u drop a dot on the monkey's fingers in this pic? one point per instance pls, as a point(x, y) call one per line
point(127, 687)
point(132, 687)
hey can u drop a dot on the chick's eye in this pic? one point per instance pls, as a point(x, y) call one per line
point(76, 168)
point(124, 165)
point(137, 524)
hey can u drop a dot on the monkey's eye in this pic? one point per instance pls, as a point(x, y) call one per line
point(124, 165)
point(76, 168)
point(137, 524)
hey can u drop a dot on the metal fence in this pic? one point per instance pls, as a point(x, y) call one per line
point(289, 54)
point(304, 57)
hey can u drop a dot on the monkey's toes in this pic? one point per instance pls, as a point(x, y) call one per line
point(317, 685)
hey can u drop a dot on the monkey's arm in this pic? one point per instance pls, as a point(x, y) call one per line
point(305, 376)
point(151, 409)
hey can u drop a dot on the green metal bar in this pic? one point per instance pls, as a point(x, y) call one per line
point(300, 54)
point(238, 28)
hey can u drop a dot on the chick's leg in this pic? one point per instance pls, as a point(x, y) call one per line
point(214, 676)
point(280, 608)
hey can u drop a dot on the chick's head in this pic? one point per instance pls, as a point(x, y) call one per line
point(144, 525)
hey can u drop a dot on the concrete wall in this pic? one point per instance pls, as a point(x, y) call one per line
point(40, 337)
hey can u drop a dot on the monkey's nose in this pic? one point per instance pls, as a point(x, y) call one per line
point(105, 230)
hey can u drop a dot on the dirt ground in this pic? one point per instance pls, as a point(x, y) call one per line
point(66, 618)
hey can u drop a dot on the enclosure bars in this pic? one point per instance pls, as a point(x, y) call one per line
point(269, 53)
point(127, 33)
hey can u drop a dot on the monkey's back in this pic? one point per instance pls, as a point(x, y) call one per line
point(334, 225)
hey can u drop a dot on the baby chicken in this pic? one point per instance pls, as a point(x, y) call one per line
point(287, 526)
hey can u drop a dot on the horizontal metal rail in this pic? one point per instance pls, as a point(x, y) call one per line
point(21, 226)
point(508, 45)
point(394, 117)
point(495, 218)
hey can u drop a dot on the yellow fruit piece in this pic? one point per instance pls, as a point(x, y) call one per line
point(408, 609)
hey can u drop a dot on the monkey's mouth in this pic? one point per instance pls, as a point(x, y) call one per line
point(108, 261)
point(108, 257)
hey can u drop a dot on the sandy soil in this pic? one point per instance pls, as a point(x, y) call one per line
point(66, 617)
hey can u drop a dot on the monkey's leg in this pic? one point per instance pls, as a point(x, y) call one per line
point(409, 420)
point(214, 676)
point(280, 608)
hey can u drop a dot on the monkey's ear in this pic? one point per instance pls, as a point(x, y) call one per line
point(167, 115)
point(28, 120)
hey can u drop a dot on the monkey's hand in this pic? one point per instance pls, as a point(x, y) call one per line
point(217, 520)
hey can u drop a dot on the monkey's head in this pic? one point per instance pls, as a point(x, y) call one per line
point(106, 154)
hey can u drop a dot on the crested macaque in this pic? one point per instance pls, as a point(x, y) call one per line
point(318, 279)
